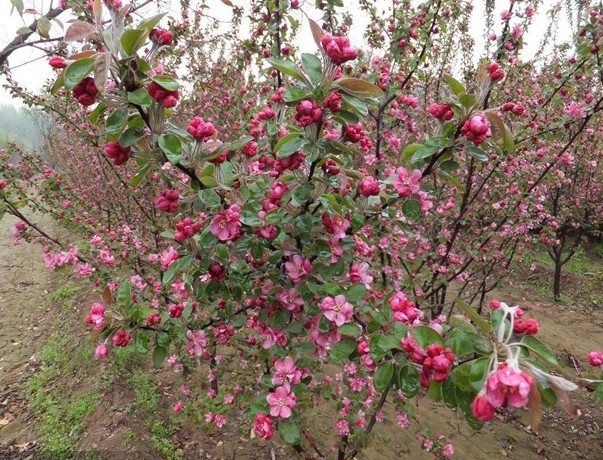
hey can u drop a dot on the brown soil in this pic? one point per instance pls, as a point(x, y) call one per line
point(26, 309)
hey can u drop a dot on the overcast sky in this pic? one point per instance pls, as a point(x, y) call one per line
point(30, 67)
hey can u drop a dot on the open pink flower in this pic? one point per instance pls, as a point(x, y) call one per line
point(298, 268)
point(226, 225)
point(263, 426)
point(507, 385)
point(281, 402)
point(407, 183)
point(97, 316)
point(337, 310)
point(196, 342)
point(286, 372)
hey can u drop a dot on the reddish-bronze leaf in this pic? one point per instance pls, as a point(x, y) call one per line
point(317, 32)
point(535, 405)
point(227, 3)
point(107, 296)
point(564, 401)
point(359, 88)
point(82, 55)
point(101, 71)
point(77, 31)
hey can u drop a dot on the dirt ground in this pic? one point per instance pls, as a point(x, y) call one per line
point(28, 318)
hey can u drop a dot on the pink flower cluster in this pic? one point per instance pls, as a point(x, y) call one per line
point(595, 359)
point(117, 152)
point(404, 310)
point(168, 201)
point(186, 229)
point(437, 364)
point(338, 49)
point(85, 92)
point(369, 186)
point(441, 111)
point(121, 338)
point(495, 71)
point(308, 112)
point(281, 402)
point(285, 372)
point(97, 316)
point(197, 342)
point(503, 386)
point(200, 129)
point(161, 37)
point(477, 128)
point(165, 97)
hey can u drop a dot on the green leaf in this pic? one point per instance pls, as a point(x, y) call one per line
point(313, 67)
point(116, 121)
point(383, 376)
point(59, 82)
point(464, 400)
point(18, 5)
point(536, 346)
point(350, 329)
point(240, 143)
point(359, 88)
point(408, 381)
point(425, 336)
point(476, 153)
point(599, 393)
point(97, 112)
point(355, 103)
point(389, 342)
point(124, 294)
point(132, 39)
point(435, 390)
point(295, 94)
point(159, 355)
point(131, 136)
point(501, 132)
point(24, 31)
point(301, 194)
point(448, 393)
point(342, 349)
point(166, 82)
point(460, 343)
point(171, 146)
point(289, 147)
point(479, 371)
point(289, 433)
point(456, 87)
point(409, 151)
point(474, 316)
point(287, 67)
point(43, 27)
point(77, 71)
point(149, 23)
point(431, 147)
point(140, 97)
point(355, 293)
point(467, 100)
point(411, 209)
point(140, 174)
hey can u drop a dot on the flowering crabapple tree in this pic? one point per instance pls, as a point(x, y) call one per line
point(293, 248)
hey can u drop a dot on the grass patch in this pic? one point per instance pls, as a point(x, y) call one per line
point(62, 418)
point(64, 293)
point(161, 436)
point(147, 398)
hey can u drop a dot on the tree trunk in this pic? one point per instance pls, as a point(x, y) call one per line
point(557, 279)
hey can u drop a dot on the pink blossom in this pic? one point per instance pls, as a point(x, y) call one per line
point(595, 359)
point(482, 409)
point(178, 407)
point(575, 110)
point(286, 372)
point(359, 273)
point(97, 316)
point(298, 268)
point(281, 402)
point(506, 385)
point(407, 183)
point(226, 225)
point(290, 299)
point(337, 310)
point(263, 426)
point(196, 342)
point(101, 352)
point(477, 128)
